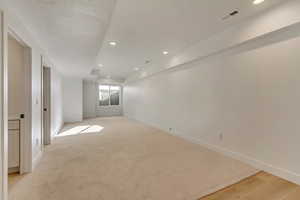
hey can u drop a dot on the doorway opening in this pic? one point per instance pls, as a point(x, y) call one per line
point(46, 105)
point(18, 106)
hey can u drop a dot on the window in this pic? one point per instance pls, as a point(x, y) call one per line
point(109, 95)
point(104, 95)
point(114, 95)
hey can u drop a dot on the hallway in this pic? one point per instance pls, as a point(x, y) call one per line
point(119, 159)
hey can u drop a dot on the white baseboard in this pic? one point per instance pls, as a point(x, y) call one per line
point(57, 131)
point(276, 171)
point(283, 173)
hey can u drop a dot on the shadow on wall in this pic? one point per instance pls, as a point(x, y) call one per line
point(79, 130)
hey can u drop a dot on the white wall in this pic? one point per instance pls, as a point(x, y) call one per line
point(249, 94)
point(72, 99)
point(56, 103)
point(16, 78)
point(90, 96)
point(16, 25)
point(273, 19)
point(19, 29)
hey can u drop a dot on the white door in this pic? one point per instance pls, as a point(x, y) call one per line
point(46, 105)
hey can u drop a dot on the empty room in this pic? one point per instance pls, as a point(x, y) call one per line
point(149, 100)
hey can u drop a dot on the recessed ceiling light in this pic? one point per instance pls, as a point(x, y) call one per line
point(165, 52)
point(136, 69)
point(100, 65)
point(112, 43)
point(256, 2)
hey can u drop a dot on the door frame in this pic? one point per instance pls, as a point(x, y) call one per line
point(26, 154)
point(26, 132)
point(3, 107)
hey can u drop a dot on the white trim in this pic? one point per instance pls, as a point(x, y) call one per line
point(46, 103)
point(285, 174)
point(56, 132)
point(26, 131)
point(27, 142)
point(109, 110)
point(12, 33)
point(42, 103)
point(280, 172)
point(3, 110)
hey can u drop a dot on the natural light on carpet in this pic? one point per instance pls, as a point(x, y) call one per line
point(78, 130)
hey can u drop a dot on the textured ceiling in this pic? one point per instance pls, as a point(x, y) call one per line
point(146, 28)
point(71, 31)
point(76, 33)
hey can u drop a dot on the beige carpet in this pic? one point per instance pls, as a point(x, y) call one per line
point(119, 159)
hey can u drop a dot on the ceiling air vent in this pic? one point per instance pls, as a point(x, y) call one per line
point(232, 14)
point(95, 72)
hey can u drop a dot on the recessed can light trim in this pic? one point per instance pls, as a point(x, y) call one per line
point(113, 43)
point(256, 2)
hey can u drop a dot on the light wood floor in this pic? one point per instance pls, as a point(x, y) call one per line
point(262, 186)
